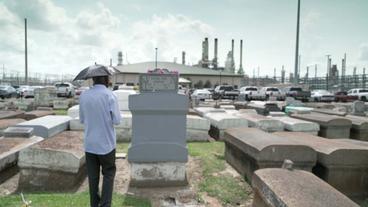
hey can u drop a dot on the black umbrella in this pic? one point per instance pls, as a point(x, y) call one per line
point(94, 71)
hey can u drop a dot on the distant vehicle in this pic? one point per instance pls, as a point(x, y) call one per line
point(297, 93)
point(225, 91)
point(211, 90)
point(322, 95)
point(342, 96)
point(201, 94)
point(127, 86)
point(79, 91)
point(8, 92)
point(251, 93)
point(65, 89)
point(272, 92)
point(25, 91)
point(361, 93)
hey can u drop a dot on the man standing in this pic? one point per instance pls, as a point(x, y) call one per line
point(99, 111)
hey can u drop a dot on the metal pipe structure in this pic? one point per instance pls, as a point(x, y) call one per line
point(26, 51)
point(241, 55)
point(156, 58)
point(232, 55)
point(297, 46)
point(215, 55)
point(183, 57)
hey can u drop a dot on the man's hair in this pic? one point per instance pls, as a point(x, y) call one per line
point(104, 80)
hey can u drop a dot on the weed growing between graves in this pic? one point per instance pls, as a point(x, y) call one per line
point(216, 181)
point(61, 112)
point(122, 147)
point(69, 200)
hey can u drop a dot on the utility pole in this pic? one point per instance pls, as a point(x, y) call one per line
point(26, 51)
point(297, 46)
point(156, 58)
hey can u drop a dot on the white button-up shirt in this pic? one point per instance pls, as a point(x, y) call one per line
point(99, 111)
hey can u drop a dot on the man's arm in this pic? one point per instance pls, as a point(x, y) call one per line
point(81, 114)
point(114, 110)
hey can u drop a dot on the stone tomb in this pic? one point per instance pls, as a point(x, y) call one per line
point(240, 105)
point(262, 122)
point(37, 114)
point(56, 164)
point(47, 126)
point(61, 103)
point(263, 108)
point(330, 111)
point(202, 111)
point(250, 149)
point(222, 121)
point(297, 125)
point(11, 114)
point(342, 165)
point(359, 129)
point(5, 123)
point(197, 128)
point(358, 108)
point(73, 111)
point(123, 98)
point(332, 127)
point(124, 129)
point(9, 151)
point(289, 188)
point(158, 152)
point(44, 96)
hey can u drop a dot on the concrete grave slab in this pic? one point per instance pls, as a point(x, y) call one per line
point(298, 110)
point(9, 151)
point(37, 114)
point(359, 129)
point(332, 127)
point(197, 128)
point(5, 123)
point(277, 114)
point(25, 105)
point(124, 129)
point(123, 98)
point(75, 125)
point(11, 114)
point(23, 132)
point(263, 107)
point(262, 122)
point(342, 165)
point(297, 125)
point(44, 96)
point(329, 112)
point(222, 121)
point(247, 111)
point(240, 105)
point(202, 111)
point(250, 149)
point(61, 103)
point(56, 164)
point(287, 188)
point(47, 126)
point(358, 108)
point(73, 111)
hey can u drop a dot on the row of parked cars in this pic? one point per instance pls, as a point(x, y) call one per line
point(63, 89)
point(265, 93)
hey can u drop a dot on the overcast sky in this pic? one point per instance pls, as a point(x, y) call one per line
point(66, 35)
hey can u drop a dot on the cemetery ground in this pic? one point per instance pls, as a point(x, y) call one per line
point(211, 180)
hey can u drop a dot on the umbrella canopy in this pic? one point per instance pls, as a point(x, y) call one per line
point(94, 71)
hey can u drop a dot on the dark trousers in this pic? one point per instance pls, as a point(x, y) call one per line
point(94, 164)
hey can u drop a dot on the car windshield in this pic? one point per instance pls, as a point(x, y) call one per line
point(272, 89)
point(62, 85)
point(251, 89)
point(295, 89)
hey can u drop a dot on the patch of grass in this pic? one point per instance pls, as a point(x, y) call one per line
point(60, 112)
point(227, 189)
point(365, 203)
point(122, 147)
point(69, 200)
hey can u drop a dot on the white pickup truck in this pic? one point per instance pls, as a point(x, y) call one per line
point(273, 92)
point(360, 92)
point(65, 89)
point(251, 93)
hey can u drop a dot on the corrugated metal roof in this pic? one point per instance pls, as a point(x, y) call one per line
point(182, 69)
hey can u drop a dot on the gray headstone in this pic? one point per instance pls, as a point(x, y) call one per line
point(358, 108)
point(18, 132)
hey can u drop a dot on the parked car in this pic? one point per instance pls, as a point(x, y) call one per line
point(342, 96)
point(250, 93)
point(297, 93)
point(25, 91)
point(225, 91)
point(8, 92)
point(272, 92)
point(361, 93)
point(201, 94)
point(322, 95)
point(65, 89)
point(79, 91)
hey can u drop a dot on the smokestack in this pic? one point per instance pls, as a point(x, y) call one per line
point(206, 48)
point(110, 61)
point(241, 55)
point(183, 57)
point(215, 55)
point(203, 46)
point(120, 58)
point(282, 75)
point(232, 55)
